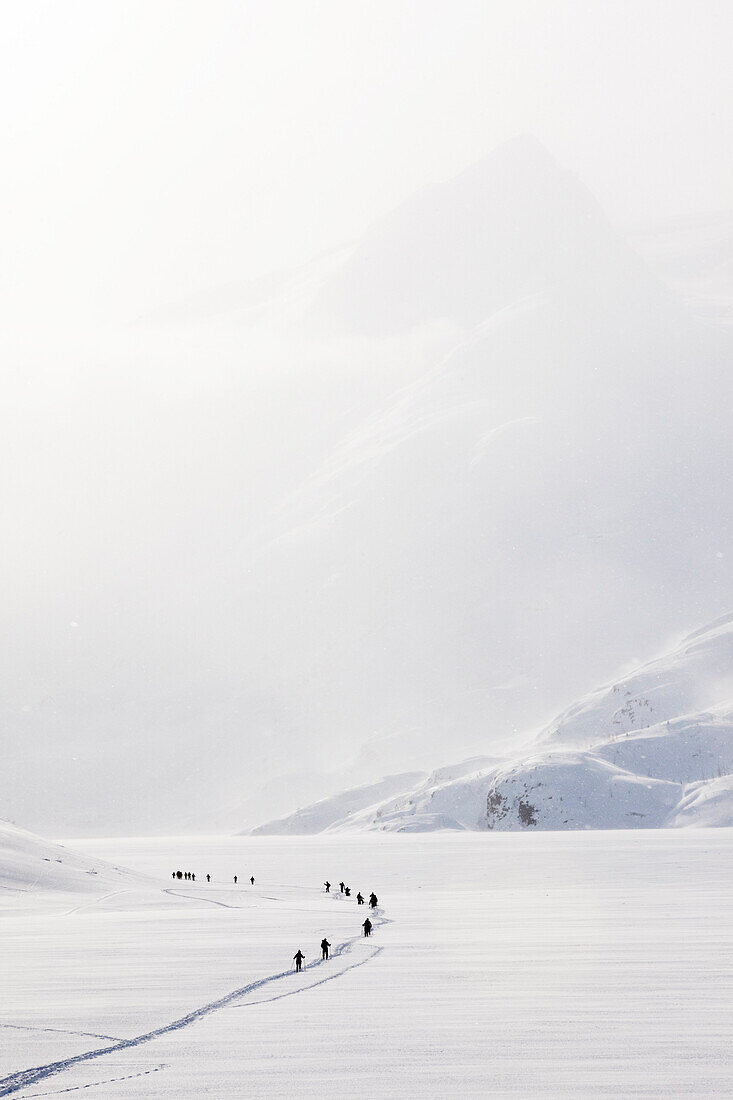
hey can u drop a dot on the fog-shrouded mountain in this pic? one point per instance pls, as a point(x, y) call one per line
point(275, 591)
point(653, 749)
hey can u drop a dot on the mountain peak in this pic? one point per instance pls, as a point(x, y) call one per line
point(511, 225)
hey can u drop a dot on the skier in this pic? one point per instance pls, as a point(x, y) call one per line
point(347, 892)
point(174, 874)
point(252, 881)
point(367, 926)
point(328, 887)
point(359, 899)
point(235, 880)
point(341, 887)
point(298, 956)
point(324, 948)
point(373, 900)
point(179, 875)
point(208, 878)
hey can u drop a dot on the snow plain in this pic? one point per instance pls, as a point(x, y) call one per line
point(513, 964)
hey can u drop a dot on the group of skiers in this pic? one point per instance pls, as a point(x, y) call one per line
point(346, 891)
point(367, 925)
point(190, 876)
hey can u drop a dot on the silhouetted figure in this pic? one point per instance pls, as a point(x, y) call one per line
point(208, 878)
point(179, 875)
point(367, 926)
point(174, 874)
point(373, 900)
point(341, 887)
point(235, 880)
point(359, 899)
point(347, 891)
point(298, 956)
point(252, 880)
point(324, 948)
point(328, 887)
point(193, 878)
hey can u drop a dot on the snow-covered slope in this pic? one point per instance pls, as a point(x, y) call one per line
point(29, 864)
point(318, 817)
point(653, 749)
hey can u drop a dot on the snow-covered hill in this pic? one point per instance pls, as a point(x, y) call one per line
point(30, 864)
point(653, 749)
point(318, 817)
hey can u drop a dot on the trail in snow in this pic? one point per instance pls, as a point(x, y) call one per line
point(61, 1031)
point(95, 901)
point(330, 978)
point(196, 897)
point(96, 1084)
point(23, 1078)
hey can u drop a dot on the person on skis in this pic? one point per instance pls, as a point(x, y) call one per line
point(298, 956)
point(367, 926)
point(208, 878)
point(328, 887)
point(252, 881)
point(359, 899)
point(373, 900)
point(341, 887)
point(324, 948)
point(347, 892)
point(235, 880)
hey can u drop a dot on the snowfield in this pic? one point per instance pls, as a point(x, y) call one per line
point(653, 749)
point(504, 964)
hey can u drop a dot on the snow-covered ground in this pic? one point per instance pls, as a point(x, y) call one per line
point(515, 964)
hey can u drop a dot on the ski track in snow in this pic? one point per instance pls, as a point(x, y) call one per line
point(13, 1082)
point(62, 1031)
point(96, 1084)
point(305, 988)
point(196, 897)
point(95, 901)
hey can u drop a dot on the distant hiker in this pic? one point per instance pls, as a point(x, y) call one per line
point(347, 891)
point(367, 926)
point(298, 956)
point(174, 874)
point(252, 880)
point(179, 874)
point(324, 948)
point(208, 878)
point(193, 878)
point(341, 887)
point(235, 880)
point(359, 899)
point(328, 887)
point(373, 900)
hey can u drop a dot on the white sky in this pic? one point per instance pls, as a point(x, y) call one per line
point(159, 148)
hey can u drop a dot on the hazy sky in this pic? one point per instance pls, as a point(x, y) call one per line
point(157, 148)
